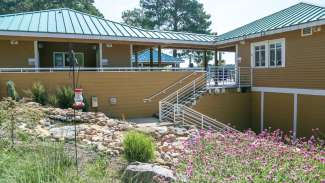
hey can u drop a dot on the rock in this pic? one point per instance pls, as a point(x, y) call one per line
point(65, 132)
point(148, 173)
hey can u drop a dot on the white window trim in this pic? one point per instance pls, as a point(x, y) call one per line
point(267, 53)
point(62, 52)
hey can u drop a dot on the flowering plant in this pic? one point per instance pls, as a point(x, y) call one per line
point(247, 157)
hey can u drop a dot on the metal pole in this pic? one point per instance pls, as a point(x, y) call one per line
point(74, 110)
point(223, 76)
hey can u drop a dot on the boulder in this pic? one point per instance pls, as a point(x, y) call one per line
point(62, 133)
point(149, 173)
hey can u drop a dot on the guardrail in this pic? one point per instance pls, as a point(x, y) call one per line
point(228, 76)
point(104, 69)
point(148, 99)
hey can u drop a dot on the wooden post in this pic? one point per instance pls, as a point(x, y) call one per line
point(216, 58)
point(151, 57)
point(159, 56)
point(205, 60)
point(136, 58)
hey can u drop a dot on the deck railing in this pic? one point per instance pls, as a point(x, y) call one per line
point(230, 76)
point(104, 69)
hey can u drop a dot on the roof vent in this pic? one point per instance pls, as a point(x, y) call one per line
point(307, 31)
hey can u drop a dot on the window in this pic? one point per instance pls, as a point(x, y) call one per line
point(61, 59)
point(268, 54)
point(260, 56)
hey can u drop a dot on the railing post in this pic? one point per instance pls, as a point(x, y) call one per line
point(174, 113)
point(160, 111)
point(177, 97)
point(218, 77)
point(194, 86)
point(239, 77)
point(251, 69)
point(223, 76)
point(183, 117)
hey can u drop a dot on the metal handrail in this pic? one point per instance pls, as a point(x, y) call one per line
point(103, 69)
point(169, 87)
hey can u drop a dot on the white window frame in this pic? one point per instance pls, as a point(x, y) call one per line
point(64, 53)
point(267, 53)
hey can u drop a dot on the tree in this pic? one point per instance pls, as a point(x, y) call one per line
point(174, 15)
point(15, 6)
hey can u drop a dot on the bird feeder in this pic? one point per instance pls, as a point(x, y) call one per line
point(78, 99)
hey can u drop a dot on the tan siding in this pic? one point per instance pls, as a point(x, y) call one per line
point(46, 53)
point(16, 55)
point(118, 55)
point(305, 64)
point(278, 111)
point(233, 108)
point(311, 114)
point(130, 88)
point(256, 112)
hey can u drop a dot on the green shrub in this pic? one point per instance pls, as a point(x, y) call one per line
point(38, 93)
point(87, 105)
point(65, 97)
point(138, 147)
point(53, 101)
point(11, 89)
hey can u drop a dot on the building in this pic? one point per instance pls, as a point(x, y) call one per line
point(278, 80)
point(143, 59)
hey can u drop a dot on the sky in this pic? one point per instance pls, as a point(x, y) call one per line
point(226, 15)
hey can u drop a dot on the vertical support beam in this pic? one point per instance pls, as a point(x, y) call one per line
point(136, 58)
point(262, 111)
point(100, 55)
point(220, 57)
point(295, 116)
point(205, 60)
point(151, 57)
point(131, 54)
point(36, 55)
point(159, 56)
point(216, 63)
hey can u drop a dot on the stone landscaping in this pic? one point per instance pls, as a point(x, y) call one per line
point(105, 134)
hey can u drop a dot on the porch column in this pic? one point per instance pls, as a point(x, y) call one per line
point(216, 58)
point(205, 61)
point(131, 54)
point(100, 55)
point(36, 55)
point(295, 116)
point(151, 57)
point(136, 59)
point(159, 56)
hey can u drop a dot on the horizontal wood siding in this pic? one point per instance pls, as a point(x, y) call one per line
point(130, 88)
point(304, 64)
point(256, 112)
point(16, 55)
point(278, 111)
point(46, 53)
point(117, 55)
point(311, 114)
point(228, 108)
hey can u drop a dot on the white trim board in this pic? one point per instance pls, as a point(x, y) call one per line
point(271, 32)
point(299, 91)
point(106, 38)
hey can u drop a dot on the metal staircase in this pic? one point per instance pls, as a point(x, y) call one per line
point(176, 107)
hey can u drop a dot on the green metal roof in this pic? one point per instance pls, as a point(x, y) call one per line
point(67, 21)
point(296, 15)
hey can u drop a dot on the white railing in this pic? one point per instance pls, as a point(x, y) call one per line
point(230, 76)
point(104, 69)
point(165, 90)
